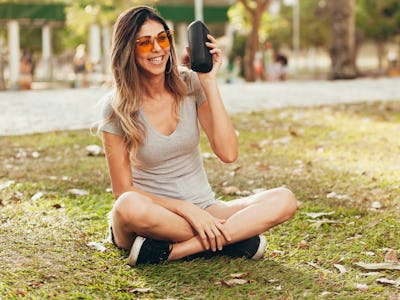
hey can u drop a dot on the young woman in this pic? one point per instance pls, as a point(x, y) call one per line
point(165, 208)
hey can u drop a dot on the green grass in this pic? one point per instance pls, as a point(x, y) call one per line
point(352, 151)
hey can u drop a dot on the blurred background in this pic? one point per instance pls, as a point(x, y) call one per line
point(53, 44)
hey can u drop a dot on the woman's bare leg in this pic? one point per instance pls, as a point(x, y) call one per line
point(253, 215)
point(246, 217)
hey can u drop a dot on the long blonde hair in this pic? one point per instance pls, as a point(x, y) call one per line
point(127, 102)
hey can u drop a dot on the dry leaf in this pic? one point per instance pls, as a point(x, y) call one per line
point(303, 244)
point(391, 257)
point(320, 214)
point(37, 196)
point(379, 266)
point(376, 205)
point(239, 275)
point(362, 287)
point(97, 246)
point(78, 192)
point(235, 281)
point(140, 290)
point(6, 184)
point(341, 269)
point(337, 196)
point(35, 154)
point(94, 150)
point(229, 190)
point(389, 281)
point(318, 223)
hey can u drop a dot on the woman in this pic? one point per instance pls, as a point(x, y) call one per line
point(165, 208)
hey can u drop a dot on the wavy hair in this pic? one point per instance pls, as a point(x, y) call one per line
point(127, 102)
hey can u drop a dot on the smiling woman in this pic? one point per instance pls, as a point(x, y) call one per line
point(165, 208)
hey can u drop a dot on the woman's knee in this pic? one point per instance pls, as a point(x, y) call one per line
point(132, 208)
point(287, 201)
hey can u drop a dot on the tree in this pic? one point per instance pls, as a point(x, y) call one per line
point(255, 9)
point(378, 21)
point(342, 50)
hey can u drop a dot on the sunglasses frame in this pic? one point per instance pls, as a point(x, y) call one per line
point(145, 49)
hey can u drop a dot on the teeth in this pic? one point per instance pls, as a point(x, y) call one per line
point(156, 59)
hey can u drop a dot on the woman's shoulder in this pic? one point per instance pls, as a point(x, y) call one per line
point(190, 78)
point(106, 103)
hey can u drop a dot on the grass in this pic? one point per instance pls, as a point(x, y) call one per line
point(338, 159)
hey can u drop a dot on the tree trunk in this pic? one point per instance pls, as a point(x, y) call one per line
point(381, 53)
point(250, 54)
point(342, 49)
point(252, 42)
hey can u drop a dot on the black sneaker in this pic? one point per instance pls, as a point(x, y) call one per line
point(253, 248)
point(148, 251)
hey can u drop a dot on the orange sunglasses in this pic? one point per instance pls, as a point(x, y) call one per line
point(146, 43)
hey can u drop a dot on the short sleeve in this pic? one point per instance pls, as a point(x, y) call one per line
point(197, 89)
point(109, 121)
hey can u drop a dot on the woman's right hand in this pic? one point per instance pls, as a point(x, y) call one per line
point(210, 229)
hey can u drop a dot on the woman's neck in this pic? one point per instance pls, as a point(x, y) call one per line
point(153, 88)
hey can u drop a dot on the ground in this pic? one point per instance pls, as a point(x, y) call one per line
point(342, 163)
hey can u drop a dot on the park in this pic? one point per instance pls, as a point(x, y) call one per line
point(326, 132)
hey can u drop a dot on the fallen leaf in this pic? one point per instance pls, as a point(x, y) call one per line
point(229, 190)
point(341, 269)
point(94, 150)
point(235, 281)
point(389, 281)
point(140, 290)
point(332, 195)
point(78, 192)
point(376, 205)
point(6, 184)
point(97, 246)
point(37, 196)
point(318, 223)
point(303, 244)
point(320, 214)
point(35, 154)
point(239, 275)
point(362, 287)
point(379, 266)
point(391, 257)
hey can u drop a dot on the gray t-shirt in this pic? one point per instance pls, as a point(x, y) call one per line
point(171, 166)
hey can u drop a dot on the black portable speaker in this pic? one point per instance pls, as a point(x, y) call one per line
point(200, 57)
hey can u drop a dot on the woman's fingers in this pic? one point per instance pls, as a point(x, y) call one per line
point(225, 233)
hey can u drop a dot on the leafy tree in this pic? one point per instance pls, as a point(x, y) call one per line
point(255, 10)
point(378, 20)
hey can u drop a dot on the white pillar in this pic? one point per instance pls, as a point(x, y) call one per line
point(46, 51)
point(182, 40)
point(94, 44)
point(106, 49)
point(198, 10)
point(13, 45)
point(296, 32)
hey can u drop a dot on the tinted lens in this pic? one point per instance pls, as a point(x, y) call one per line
point(162, 39)
point(146, 43)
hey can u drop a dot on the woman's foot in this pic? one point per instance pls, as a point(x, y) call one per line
point(253, 248)
point(148, 251)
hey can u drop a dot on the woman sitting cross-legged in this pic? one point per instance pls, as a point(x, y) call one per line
point(165, 208)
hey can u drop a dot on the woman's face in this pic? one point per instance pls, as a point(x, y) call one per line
point(154, 61)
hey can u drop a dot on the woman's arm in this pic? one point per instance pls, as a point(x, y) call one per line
point(212, 114)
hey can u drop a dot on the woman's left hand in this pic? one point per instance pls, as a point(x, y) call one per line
point(216, 57)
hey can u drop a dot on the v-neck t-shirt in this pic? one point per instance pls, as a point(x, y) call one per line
point(171, 165)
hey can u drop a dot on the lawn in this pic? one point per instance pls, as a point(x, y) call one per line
point(342, 162)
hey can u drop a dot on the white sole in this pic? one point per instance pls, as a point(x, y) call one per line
point(261, 248)
point(134, 253)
